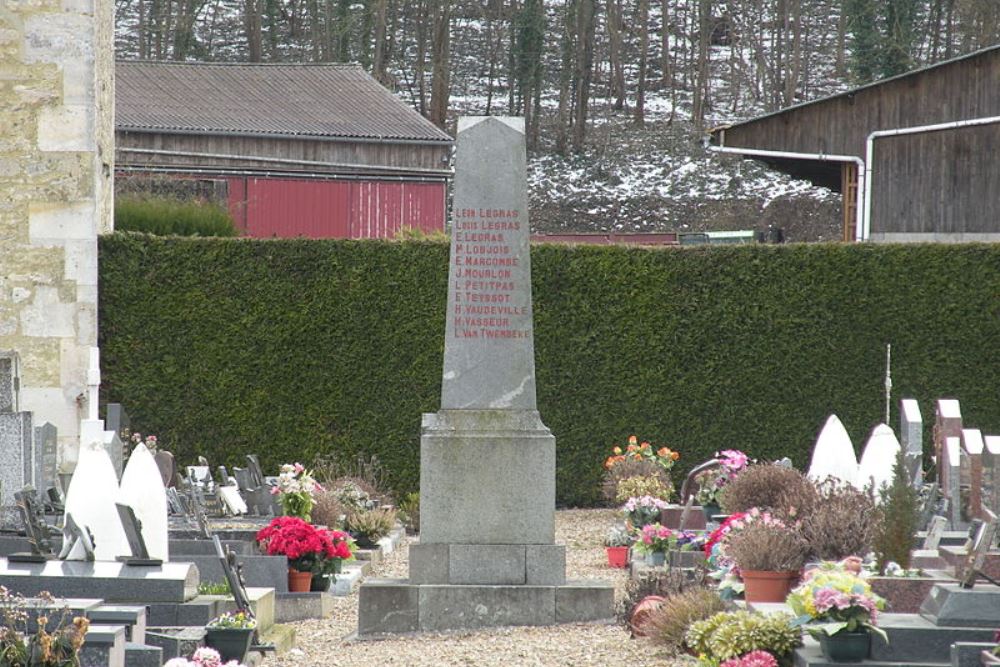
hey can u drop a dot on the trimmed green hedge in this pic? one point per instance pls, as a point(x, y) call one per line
point(295, 348)
point(165, 216)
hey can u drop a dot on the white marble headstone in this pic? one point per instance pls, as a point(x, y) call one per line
point(953, 466)
point(878, 459)
point(833, 455)
point(91, 499)
point(142, 489)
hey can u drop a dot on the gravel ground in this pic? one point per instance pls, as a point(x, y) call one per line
point(327, 641)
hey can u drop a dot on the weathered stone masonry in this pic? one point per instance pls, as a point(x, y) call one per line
point(56, 164)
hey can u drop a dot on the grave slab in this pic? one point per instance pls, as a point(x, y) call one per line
point(104, 646)
point(114, 582)
point(952, 605)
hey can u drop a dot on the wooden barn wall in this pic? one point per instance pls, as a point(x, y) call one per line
point(374, 154)
point(960, 90)
point(940, 182)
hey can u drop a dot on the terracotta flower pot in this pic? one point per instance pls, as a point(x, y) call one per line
point(642, 612)
point(299, 582)
point(764, 586)
point(617, 556)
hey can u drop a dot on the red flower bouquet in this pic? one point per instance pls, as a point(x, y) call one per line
point(308, 549)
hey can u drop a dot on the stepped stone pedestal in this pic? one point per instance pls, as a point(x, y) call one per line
point(487, 554)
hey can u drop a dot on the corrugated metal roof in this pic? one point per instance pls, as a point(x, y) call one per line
point(322, 101)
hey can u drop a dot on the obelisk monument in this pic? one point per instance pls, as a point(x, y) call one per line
point(487, 554)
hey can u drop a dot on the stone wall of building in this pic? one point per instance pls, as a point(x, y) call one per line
point(56, 166)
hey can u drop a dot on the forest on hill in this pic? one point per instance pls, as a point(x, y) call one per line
point(616, 94)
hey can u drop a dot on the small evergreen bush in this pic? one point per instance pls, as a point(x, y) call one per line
point(900, 512)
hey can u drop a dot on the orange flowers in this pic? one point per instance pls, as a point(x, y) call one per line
point(638, 451)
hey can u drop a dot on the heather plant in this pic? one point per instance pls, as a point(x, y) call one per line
point(409, 512)
point(627, 469)
point(365, 472)
point(665, 583)
point(768, 546)
point(786, 492)
point(371, 525)
point(328, 510)
point(894, 536)
point(843, 523)
point(668, 624)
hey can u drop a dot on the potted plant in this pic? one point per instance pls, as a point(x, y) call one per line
point(654, 541)
point(369, 526)
point(711, 482)
point(769, 556)
point(204, 656)
point(231, 634)
point(638, 460)
point(737, 635)
point(301, 543)
point(329, 563)
point(841, 611)
point(616, 544)
point(295, 490)
point(643, 510)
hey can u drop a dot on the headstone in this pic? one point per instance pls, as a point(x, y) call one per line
point(911, 431)
point(38, 532)
point(116, 451)
point(878, 459)
point(46, 451)
point(991, 472)
point(983, 542)
point(167, 466)
point(78, 542)
point(833, 455)
point(175, 505)
point(8, 382)
point(91, 499)
point(142, 489)
point(137, 545)
point(947, 424)
point(234, 578)
point(487, 446)
point(972, 467)
point(118, 420)
point(934, 532)
point(950, 467)
point(16, 461)
point(197, 498)
point(231, 500)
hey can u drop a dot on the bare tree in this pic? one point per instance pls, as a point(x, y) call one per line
point(640, 96)
point(440, 56)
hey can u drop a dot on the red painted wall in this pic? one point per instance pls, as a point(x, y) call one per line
point(286, 207)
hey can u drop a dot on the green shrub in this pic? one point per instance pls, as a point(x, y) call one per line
point(296, 348)
point(165, 216)
point(894, 537)
point(732, 633)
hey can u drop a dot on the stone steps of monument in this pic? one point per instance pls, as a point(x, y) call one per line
point(281, 635)
point(810, 655)
point(142, 655)
point(203, 608)
point(104, 646)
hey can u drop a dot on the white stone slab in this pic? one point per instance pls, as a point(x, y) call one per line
point(142, 489)
point(833, 455)
point(949, 408)
point(878, 459)
point(972, 441)
point(230, 495)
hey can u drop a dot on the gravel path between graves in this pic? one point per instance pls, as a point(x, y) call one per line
point(326, 642)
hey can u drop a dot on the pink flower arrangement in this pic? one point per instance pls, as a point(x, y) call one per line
point(655, 538)
point(752, 659)
point(203, 657)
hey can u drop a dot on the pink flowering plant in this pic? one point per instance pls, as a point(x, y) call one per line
point(654, 538)
point(643, 510)
point(834, 600)
point(752, 659)
point(203, 657)
point(711, 482)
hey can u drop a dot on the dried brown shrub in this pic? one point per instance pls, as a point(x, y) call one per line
point(760, 546)
point(786, 492)
point(668, 624)
point(843, 523)
point(659, 582)
point(328, 510)
point(367, 473)
point(631, 468)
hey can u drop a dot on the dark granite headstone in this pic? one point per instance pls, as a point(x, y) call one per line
point(237, 586)
point(118, 421)
point(133, 533)
point(38, 532)
point(46, 456)
point(167, 465)
point(8, 382)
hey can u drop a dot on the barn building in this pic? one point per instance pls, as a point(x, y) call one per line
point(318, 151)
point(915, 156)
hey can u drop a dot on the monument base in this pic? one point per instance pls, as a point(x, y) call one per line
point(392, 606)
point(952, 605)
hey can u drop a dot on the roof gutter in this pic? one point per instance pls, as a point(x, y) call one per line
point(918, 129)
point(822, 157)
point(286, 135)
point(447, 173)
point(270, 173)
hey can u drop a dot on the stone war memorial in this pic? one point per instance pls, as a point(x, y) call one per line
point(487, 554)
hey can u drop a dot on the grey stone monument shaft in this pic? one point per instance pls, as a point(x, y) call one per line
point(487, 554)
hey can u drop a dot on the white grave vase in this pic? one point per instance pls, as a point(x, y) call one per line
point(91, 499)
point(833, 455)
point(142, 489)
point(878, 459)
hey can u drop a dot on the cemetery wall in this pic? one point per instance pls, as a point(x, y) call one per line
point(55, 196)
point(297, 348)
